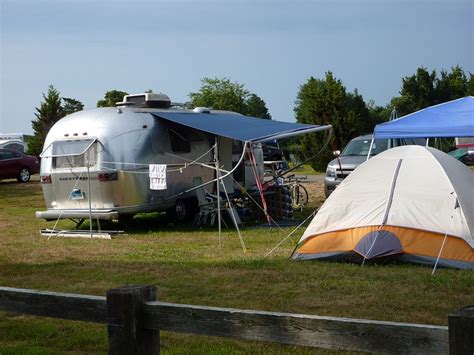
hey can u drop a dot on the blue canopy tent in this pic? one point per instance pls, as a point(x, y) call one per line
point(450, 119)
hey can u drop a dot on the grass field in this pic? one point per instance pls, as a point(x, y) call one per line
point(188, 266)
point(305, 169)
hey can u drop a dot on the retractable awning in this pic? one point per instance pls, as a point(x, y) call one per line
point(239, 127)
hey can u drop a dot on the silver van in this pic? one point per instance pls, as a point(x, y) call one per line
point(355, 153)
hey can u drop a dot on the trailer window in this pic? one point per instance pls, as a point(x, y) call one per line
point(74, 154)
point(181, 138)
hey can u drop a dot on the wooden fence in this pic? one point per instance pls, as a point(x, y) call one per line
point(134, 319)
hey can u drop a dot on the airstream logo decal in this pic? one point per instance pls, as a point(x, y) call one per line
point(76, 178)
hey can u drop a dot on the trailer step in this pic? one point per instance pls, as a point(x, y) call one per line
point(80, 233)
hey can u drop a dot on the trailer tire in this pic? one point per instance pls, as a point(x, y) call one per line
point(183, 211)
point(125, 219)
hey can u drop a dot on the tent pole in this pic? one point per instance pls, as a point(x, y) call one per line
point(216, 158)
point(444, 241)
point(387, 208)
point(439, 254)
point(370, 148)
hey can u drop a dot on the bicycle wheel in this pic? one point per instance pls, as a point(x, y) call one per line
point(303, 196)
point(299, 197)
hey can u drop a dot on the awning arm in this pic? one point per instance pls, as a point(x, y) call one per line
point(43, 153)
point(291, 134)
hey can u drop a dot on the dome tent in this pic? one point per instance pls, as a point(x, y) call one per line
point(412, 203)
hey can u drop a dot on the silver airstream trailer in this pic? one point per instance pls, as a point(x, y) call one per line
point(96, 163)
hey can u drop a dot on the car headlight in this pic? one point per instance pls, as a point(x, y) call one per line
point(330, 172)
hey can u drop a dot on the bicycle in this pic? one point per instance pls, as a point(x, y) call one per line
point(299, 194)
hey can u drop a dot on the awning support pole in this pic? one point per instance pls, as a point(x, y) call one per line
point(258, 182)
point(89, 197)
point(216, 159)
point(231, 210)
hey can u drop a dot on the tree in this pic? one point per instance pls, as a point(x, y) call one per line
point(424, 89)
point(325, 101)
point(71, 105)
point(222, 94)
point(377, 114)
point(49, 112)
point(256, 107)
point(451, 85)
point(470, 85)
point(111, 98)
point(418, 91)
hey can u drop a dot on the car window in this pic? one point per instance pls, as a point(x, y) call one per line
point(360, 147)
point(408, 141)
point(15, 146)
point(379, 146)
point(5, 155)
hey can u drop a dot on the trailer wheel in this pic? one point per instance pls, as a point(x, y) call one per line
point(125, 219)
point(183, 211)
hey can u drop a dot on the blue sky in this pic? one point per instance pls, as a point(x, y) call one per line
point(85, 48)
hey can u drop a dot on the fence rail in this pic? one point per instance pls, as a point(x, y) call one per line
point(134, 319)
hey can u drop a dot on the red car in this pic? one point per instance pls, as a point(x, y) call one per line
point(16, 165)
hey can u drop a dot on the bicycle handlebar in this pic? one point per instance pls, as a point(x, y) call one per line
point(295, 178)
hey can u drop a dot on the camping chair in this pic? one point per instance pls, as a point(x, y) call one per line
point(295, 161)
point(208, 209)
point(207, 204)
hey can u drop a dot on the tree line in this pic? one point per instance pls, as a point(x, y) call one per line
point(319, 101)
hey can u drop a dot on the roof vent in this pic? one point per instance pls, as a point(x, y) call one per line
point(148, 99)
point(202, 110)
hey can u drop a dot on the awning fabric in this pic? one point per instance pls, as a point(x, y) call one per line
point(239, 127)
point(450, 119)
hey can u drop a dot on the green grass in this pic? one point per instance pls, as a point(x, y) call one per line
point(306, 169)
point(188, 266)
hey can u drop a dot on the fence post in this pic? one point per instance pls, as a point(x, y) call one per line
point(125, 321)
point(461, 331)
